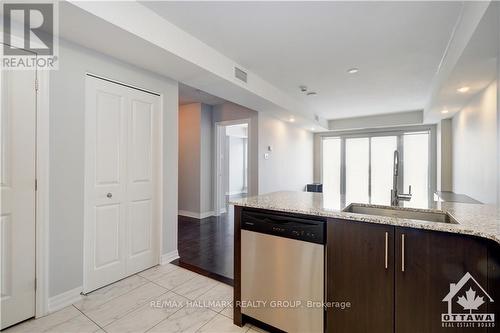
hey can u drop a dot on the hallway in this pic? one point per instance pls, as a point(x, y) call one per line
point(206, 246)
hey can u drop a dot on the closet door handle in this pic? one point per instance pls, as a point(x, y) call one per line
point(402, 252)
point(109, 195)
point(386, 250)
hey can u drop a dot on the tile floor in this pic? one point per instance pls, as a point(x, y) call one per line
point(161, 299)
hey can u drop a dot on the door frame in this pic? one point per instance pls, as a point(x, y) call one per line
point(218, 149)
point(42, 194)
point(158, 189)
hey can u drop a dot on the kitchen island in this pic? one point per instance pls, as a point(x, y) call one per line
point(397, 274)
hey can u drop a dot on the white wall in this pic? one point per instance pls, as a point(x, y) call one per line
point(380, 120)
point(67, 103)
point(236, 164)
point(290, 163)
point(444, 155)
point(474, 131)
point(229, 111)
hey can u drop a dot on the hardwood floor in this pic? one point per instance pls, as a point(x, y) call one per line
point(206, 246)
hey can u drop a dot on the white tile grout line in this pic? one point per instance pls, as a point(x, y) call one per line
point(138, 286)
point(149, 329)
point(224, 314)
point(219, 314)
point(119, 295)
point(137, 308)
point(100, 327)
point(172, 290)
point(139, 305)
point(163, 274)
point(166, 291)
point(51, 326)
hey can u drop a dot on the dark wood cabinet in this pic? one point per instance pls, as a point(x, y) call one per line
point(427, 262)
point(360, 270)
point(494, 283)
point(389, 279)
point(406, 295)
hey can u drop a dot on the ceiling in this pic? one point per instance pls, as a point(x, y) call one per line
point(397, 47)
point(475, 69)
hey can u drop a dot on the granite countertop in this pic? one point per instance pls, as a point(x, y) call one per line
point(473, 219)
point(449, 196)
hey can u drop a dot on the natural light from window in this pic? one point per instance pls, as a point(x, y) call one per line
point(331, 179)
point(359, 168)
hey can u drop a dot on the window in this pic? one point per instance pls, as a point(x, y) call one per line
point(359, 167)
point(381, 157)
point(415, 167)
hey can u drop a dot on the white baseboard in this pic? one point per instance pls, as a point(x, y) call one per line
point(169, 257)
point(196, 215)
point(206, 214)
point(65, 299)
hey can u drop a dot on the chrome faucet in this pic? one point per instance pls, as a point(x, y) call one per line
point(395, 197)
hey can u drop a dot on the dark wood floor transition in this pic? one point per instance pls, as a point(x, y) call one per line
point(206, 246)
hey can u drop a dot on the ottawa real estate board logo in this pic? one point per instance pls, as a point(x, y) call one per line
point(467, 305)
point(29, 35)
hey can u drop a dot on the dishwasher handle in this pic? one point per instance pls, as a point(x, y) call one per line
point(257, 217)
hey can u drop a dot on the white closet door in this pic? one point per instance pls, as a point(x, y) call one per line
point(17, 182)
point(105, 164)
point(143, 166)
point(121, 222)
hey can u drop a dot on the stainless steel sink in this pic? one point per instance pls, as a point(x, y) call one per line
point(423, 215)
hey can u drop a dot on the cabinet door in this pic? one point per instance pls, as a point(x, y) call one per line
point(427, 262)
point(494, 282)
point(360, 270)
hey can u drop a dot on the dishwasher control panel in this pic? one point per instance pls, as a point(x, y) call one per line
point(294, 227)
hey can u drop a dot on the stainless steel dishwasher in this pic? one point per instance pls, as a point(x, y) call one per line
point(282, 270)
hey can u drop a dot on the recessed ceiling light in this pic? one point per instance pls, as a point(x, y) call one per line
point(463, 89)
point(352, 70)
point(444, 111)
point(292, 119)
point(312, 93)
point(313, 129)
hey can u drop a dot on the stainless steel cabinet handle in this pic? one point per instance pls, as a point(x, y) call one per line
point(402, 252)
point(386, 250)
point(109, 195)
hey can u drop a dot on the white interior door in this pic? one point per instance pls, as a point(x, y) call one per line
point(143, 161)
point(122, 159)
point(17, 215)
